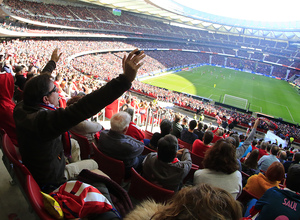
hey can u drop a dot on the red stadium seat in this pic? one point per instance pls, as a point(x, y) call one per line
point(142, 189)
point(185, 145)
point(114, 168)
point(85, 146)
point(35, 197)
point(197, 160)
point(147, 150)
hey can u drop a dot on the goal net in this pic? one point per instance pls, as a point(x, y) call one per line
point(235, 101)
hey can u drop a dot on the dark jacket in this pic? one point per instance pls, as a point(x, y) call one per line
point(167, 175)
point(176, 129)
point(121, 147)
point(39, 131)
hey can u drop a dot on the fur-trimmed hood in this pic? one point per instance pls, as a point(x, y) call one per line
point(144, 211)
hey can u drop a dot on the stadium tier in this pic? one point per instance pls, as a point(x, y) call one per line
point(178, 46)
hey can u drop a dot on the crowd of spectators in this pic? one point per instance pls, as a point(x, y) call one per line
point(102, 18)
point(32, 54)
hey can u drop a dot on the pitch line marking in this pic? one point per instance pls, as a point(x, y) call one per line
point(290, 113)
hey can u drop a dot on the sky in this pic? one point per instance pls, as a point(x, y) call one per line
point(254, 10)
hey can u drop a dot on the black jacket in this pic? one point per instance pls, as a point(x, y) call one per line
point(39, 131)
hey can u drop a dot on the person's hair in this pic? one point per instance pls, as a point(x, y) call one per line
point(120, 121)
point(275, 171)
point(221, 157)
point(242, 137)
point(220, 132)
point(177, 118)
point(237, 139)
point(208, 137)
point(203, 202)
point(19, 68)
point(282, 155)
point(296, 157)
point(200, 126)
point(165, 126)
point(74, 99)
point(231, 140)
point(192, 124)
point(167, 148)
point(251, 161)
point(292, 180)
point(205, 127)
point(264, 145)
point(254, 142)
point(35, 89)
point(130, 112)
point(274, 149)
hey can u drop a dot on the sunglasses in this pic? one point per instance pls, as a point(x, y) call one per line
point(53, 90)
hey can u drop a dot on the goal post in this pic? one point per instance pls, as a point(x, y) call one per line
point(235, 101)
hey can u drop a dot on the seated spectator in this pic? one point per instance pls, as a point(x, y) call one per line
point(20, 78)
point(85, 128)
point(41, 127)
point(281, 203)
point(295, 160)
point(198, 131)
point(116, 144)
point(7, 106)
point(263, 149)
point(258, 184)
point(133, 130)
point(249, 149)
point(184, 123)
point(221, 168)
point(198, 202)
point(266, 160)
point(218, 134)
point(254, 144)
point(165, 128)
point(281, 156)
point(188, 136)
point(176, 127)
point(164, 168)
point(200, 147)
point(249, 166)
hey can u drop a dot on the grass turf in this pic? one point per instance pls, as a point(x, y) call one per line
point(266, 95)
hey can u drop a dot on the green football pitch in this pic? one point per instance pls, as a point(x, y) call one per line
point(266, 95)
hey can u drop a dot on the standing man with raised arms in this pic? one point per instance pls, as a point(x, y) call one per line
point(40, 125)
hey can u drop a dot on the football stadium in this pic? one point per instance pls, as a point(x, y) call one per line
point(147, 109)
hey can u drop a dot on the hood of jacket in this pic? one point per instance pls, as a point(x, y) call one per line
point(6, 87)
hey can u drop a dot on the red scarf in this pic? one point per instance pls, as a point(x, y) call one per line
point(66, 138)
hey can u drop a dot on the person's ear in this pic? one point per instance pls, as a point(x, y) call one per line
point(46, 100)
point(125, 129)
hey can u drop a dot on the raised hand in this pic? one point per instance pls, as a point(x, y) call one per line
point(55, 56)
point(131, 63)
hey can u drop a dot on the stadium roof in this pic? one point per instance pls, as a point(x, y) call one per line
point(172, 11)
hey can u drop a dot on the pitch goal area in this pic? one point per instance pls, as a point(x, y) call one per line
point(235, 101)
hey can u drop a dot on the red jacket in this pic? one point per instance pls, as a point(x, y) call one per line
point(199, 148)
point(135, 132)
point(7, 106)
